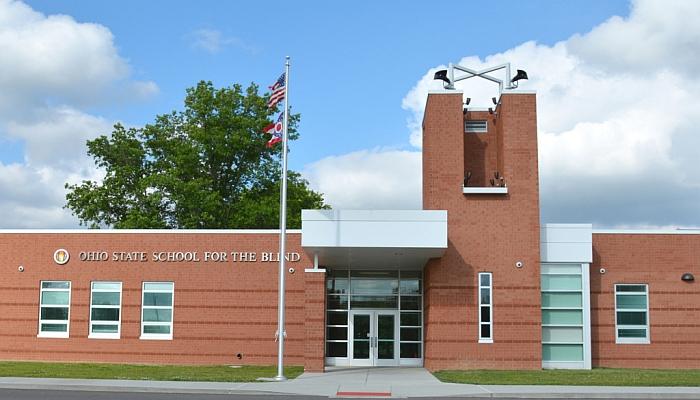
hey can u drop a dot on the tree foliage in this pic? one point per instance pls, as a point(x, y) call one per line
point(205, 167)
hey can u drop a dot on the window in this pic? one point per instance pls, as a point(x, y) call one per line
point(474, 126)
point(54, 309)
point(337, 289)
point(632, 313)
point(485, 307)
point(157, 310)
point(411, 316)
point(563, 315)
point(105, 310)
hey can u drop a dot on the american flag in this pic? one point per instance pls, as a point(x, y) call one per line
point(277, 94)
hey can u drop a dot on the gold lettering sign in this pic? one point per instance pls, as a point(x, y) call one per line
point(178, 256)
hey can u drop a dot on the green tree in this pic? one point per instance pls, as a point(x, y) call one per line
point(205, 167)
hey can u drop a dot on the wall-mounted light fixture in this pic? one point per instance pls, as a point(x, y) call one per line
point(687, 277)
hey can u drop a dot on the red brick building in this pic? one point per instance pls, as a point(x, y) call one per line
point(471, 281)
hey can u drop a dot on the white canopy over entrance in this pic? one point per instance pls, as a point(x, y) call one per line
point(386, 239)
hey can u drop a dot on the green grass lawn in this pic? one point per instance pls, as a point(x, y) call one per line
point(594, 377)
point(215, 373)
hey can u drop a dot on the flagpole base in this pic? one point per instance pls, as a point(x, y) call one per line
point(279, 378)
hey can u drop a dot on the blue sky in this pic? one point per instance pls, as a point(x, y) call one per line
point(353, 62)
point(616, 84)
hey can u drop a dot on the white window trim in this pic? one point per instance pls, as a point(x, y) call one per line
point(490, 306)
point(56, 335)
point(158, 336)
point(644, 340)
point(101, 335)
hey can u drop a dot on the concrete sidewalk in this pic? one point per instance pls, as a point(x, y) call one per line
point(356, 382)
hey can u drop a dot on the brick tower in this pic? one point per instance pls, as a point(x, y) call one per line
point(493, 226)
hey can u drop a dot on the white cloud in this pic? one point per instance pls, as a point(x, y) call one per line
point(31, 198)
point(656, 35)
point(51, 67)
point(55, 57)
point(56, 137)
point(213, 41)
point(617, 119)
point(375, 179)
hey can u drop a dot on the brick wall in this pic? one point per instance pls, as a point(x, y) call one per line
point(486, 233)
point(314, 321)
point(220, 309)
point(674, 305)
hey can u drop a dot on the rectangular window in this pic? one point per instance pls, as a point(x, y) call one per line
point(54, 309)
point(632, 313)
point(563, 315)
point(105, 310)
point(411, 316)
point(485, 307)
point(157, 310)
point(475, 126)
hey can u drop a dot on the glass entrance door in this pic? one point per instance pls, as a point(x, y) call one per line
point(362, 338)
point(374, 336)
point(385, 344)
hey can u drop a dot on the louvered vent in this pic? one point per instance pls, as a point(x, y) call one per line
point(475, 126)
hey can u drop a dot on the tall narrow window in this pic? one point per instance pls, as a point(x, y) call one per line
point(564, 321)
point(105, 310)
point(632, 313)
point(485, 307)
point(157, 310)
point(54, 309)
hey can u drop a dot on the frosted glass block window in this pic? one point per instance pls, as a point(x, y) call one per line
point(631, 314)
point(561, 282)
point(562, 313)
point(562, 352)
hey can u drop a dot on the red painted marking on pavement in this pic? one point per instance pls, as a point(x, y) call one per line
point(368, 394)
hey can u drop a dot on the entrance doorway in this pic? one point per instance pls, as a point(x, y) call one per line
point(374, 318)
point(374, 335)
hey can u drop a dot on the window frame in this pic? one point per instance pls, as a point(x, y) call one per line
point(49, 334)
point(646, 327)
point(483, 339)
point(105, 335)
point(157, 336)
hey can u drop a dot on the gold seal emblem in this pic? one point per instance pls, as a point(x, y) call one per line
point(61, 256)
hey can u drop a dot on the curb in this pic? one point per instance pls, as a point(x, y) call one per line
point(131, 389)
point(659, 394)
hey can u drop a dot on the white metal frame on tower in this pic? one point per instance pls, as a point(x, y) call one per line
point(471, 73)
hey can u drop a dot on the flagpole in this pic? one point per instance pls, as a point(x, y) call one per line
point(283, 228)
